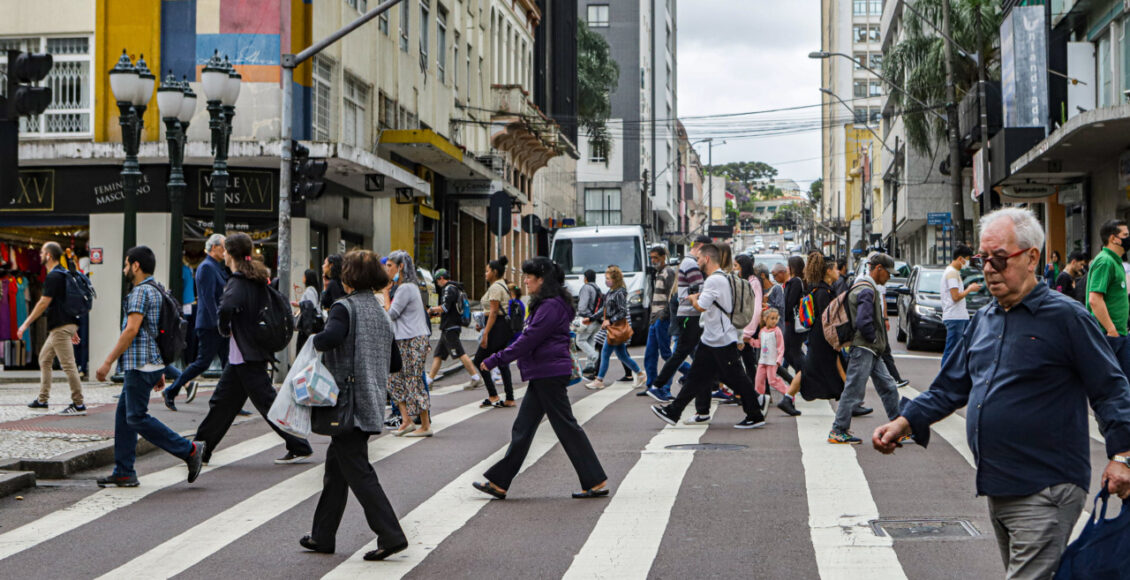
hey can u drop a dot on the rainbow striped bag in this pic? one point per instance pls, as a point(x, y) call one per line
point(806, 314)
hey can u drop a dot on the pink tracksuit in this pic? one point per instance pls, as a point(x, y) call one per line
point(769, 361)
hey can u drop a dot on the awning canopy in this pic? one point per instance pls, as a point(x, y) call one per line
point(1086, 143)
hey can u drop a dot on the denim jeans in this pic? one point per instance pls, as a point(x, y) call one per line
point(863, 364)
point(954, 331)
point(621, 353)
point(658, 345)
point(133, 419)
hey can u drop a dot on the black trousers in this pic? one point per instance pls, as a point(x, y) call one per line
point(794, 354)
point(548, 398)
point(348, 468)
point(889, 360)
point(503, 370)
point(689, 338)
point(209, 344)
point(712, 364)
point(238, 384)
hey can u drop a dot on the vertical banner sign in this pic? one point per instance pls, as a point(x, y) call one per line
point(1024, 82)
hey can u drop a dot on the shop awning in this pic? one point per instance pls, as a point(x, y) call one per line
point(1086, 143)
point(435, 152)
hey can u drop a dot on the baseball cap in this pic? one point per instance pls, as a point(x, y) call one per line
point(442, 273)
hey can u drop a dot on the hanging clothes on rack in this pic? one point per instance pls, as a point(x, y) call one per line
point(22, 310)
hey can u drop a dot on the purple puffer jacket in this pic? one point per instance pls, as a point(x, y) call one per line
point(543, 349)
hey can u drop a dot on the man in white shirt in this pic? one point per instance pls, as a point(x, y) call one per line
point(955, 316)
point(717, 357)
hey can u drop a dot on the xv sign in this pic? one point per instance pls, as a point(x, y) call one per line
point(34, 192)
point(248, 190)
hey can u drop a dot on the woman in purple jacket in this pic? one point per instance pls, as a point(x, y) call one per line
point(545, 361)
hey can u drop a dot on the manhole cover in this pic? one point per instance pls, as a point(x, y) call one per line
point(707, 447)
point(927, 529)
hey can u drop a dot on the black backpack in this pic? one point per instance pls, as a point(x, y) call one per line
point(274, 323)
point(598, 308)
point(1080, 293)
point(80, 294)
point(172, 329)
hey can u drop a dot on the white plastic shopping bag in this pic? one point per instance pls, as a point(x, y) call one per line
point(311, 381)
point(288, 414)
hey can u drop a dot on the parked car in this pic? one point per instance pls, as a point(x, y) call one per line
point(770, 259)
point(774, 246)
point(919, 305)
point(789, 236)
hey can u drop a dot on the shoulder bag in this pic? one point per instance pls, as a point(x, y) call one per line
point(338, 419)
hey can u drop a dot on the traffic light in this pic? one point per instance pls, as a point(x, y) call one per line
point(306, 173)
point(27, 99)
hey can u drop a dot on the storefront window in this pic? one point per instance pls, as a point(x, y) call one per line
point(1104, 71)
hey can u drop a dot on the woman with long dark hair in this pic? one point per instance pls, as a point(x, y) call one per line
point(409, 321)
point(823, 373)
point(794, 291)
point(496, 332)
point(331, 281)
point(245, 377)
point(545, 361)
point(310, 318)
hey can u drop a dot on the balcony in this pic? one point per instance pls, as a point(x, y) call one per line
point(520, 129)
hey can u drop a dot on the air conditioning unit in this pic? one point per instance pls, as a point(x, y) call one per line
point(493, 161)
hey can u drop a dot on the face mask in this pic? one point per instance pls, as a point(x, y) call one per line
point(396, 278)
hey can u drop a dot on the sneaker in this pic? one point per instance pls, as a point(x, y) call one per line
point(595, 385)
point(732, 402)
point(640, 382)
point(195, 460)
point(167, 396)
point(683, 379)
point(36, 405)
point(902, 383)
point(291, 458)
point(190, 391)
point(721, 395)
point(626, 378)
point(906, 439)
point(73, 410)
point(118, 480)
point(244, 413)
point(476, 382)
point(697, 420)
point(764, 401)
point(659, 395)
point(749, 423)
point(662, 412)
point(843, 438)
point(788, 406)
point(861, 411)
point(392, 422)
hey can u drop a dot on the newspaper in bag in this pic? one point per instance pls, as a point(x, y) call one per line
point(310, 380)
point(288, 414)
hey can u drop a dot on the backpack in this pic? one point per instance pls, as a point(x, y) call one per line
point(598, 308)
point(806, 313)
point(310, 321)
point(274, 323)
point(742, 300)
point(172, 329)
point(1080, 293)
point(462, 306)
point(838, 328)
point(80, 294)
point(517, 319)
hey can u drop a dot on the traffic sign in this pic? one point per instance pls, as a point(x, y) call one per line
point(720, 231)
point(938, 218)
point(498, 216)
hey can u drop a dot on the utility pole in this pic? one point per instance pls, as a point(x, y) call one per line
point(958, 209)
point(710, 182)
point(982, 97)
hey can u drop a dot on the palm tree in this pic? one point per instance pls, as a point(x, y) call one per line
point(918, 61)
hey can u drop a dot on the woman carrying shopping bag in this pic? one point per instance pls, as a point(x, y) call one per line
point(358, 344)
point(544, 360)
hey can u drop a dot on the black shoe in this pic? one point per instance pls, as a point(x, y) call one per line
point(902, 383)
point(36, 405)
point(748, 423)
point(196, 459)
point(664, 413)
point(643, 393)
point(190, 391)
point(382, 553)
point(626, 378)
point(309, 543)
point(292, 457)
point(244, 413)
point(861, 411)
point(73, 410)
point(787, 406)
point(118, 480)
point(167, 395)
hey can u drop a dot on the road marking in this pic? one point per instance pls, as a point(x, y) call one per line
point(915, 356)
point(840, 505)
point(626, 538)
point(107, 500)
point(452, 507)
point(210, 536)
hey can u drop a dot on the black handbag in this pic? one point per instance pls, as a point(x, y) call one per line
point(338, 419)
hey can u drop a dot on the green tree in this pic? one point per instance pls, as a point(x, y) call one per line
point(816, 191)
point(754, 175)
point(918, 62)
point(597, 75)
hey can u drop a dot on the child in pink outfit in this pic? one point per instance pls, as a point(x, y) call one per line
point(771, 341)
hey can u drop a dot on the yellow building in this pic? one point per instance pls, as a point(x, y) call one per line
point(862, 162)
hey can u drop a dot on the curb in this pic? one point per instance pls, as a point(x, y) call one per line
point(14, 481)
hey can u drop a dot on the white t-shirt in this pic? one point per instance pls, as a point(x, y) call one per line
point(717, 330)
point(951, 310)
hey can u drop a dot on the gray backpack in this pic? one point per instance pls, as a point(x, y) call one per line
point(742, 300)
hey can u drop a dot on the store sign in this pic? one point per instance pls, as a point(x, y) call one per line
point(1028, 190)
point(196, 229)
point(95, 256)
point(35, 192)
point(473, 187)
point(1024, 82)
point(248, 190)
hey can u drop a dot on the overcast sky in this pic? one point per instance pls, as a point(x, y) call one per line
point(751, 55)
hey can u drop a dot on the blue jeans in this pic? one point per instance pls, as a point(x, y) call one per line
point(863, 364)
point(133, 419)
point(658, 345)
point(955, 329)
point(621, 353)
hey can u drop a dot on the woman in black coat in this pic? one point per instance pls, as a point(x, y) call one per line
point(794, 291)
point(823, 373)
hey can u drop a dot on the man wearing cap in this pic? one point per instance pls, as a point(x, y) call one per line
point(865, 309)
point(450, 327)
point(688, 281)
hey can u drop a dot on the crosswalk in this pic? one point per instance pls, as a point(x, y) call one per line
point(629, 536)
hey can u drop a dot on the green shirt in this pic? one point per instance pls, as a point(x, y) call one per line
point(1107, 277)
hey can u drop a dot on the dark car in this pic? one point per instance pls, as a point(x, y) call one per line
point(920, 305)
point(898, 279)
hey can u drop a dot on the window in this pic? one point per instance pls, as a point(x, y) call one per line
point(859, 89)
point(875, 60)
point(322, 105)
point(1104, 73)
point(598, 15)
point(874, 33)
point(382, 22)
point(345, 208)
point(875, 89)
point(876, 8)
point(425, 10)
point(602, 207)
point(859, 33)
point(386, 112)
point(643, 78)
point(72, 105)
point(875, 116)
point(455, 62)
point(361, 6)
point(469, 81)
point(859, 7)
point(441, 45)
point(403, 27)
point(598, 153)
point(861, 115)
point(860, 58)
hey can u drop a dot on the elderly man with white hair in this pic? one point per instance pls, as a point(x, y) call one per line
point(1025, 369)
point(211, 277)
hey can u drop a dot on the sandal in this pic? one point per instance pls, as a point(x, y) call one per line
point(489, 403)
point(489, 489)
point(591, 493)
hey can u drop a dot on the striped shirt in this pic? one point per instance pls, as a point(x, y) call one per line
point(689, 275)
point(143, 352)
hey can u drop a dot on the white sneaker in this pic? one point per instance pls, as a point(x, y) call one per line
point(641, 380)
point(763, 401)
point(697, 420)
point(476, 382)
point(595, 385)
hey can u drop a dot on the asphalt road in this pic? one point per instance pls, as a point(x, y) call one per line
point(787, 505)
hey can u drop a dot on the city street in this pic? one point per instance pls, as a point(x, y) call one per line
point(785, 504)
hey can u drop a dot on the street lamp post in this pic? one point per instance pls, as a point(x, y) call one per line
point(133, 88)
point(177, 103)
point(221, 87)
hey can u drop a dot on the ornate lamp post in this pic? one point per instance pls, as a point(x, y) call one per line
point(221, 87)
point(177, 103)
point(133, 88)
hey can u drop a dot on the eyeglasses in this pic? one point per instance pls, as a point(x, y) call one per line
point(999, 263)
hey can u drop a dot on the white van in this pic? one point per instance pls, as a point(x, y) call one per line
point(596, 248)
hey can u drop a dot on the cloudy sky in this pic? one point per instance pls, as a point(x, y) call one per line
point(737, 56)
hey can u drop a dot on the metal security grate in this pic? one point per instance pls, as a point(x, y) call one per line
point(707, 447)
point(924, 529)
